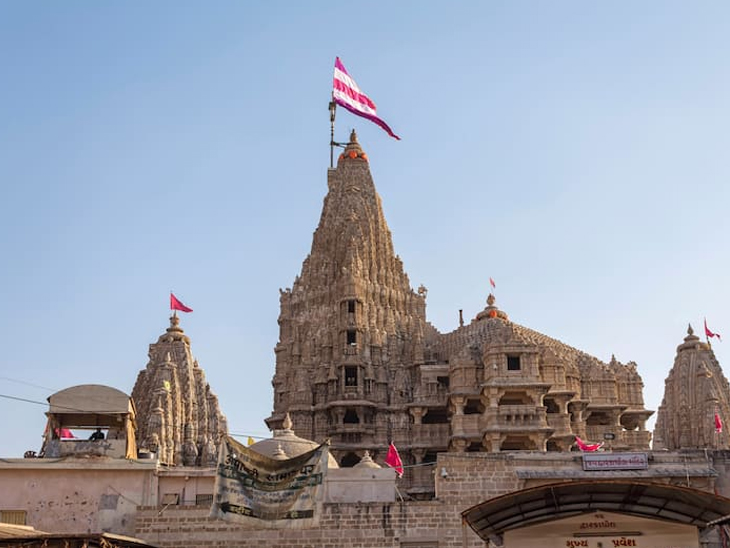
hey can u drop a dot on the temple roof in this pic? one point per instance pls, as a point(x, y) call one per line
point(286, 444)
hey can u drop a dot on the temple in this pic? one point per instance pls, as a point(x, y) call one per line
point(696, 391)
point(357, 362)
point(180, 421)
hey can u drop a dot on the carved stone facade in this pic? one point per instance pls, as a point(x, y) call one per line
point(179, 416)
point(358, 363)
point(695, 390)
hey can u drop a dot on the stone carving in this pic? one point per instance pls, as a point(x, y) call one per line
point(694, 391)
point(178, 416)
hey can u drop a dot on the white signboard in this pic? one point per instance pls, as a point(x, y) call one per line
point(615, 461)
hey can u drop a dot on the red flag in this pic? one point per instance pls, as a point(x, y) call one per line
point(491, 282)
point(65, 434)
point(718, 423)
point(583, 446)
point(177, 305)
point(392, 459)
point(709, 334)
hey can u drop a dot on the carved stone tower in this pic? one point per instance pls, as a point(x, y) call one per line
point(694, 391)
point(178, 415)
point(351, 327)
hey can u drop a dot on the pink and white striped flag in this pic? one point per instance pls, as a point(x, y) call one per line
point(347, 94)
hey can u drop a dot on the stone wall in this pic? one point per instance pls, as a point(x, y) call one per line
point(462, 480)
point(77, 495)
point(367, 525)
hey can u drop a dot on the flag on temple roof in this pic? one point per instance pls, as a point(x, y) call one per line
point(347, 94)
point(718, 423)
point(250, 441)
point(491, 282)
point(176, 304)
point(709, 334)
point(583, 446)
point(392, 459)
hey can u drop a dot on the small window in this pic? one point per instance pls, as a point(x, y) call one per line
point(351, 337)
point(13, 517)
point(443, 381)
point(513, 363)
point(351, 375)
point(203, 500)
point(351, 417)
point(351, 306)
point(435, 416)
point(169, 499)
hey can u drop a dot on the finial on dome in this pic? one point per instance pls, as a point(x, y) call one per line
point(367, 461)
point(492, 311)
point(690, 331)
point(174, 320)
point(287, 424)
point(279, 453)
point(353, 150)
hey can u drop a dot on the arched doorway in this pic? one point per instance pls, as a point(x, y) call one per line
point(585, 512)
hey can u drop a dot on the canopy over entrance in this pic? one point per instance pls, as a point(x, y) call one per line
point(492, 518)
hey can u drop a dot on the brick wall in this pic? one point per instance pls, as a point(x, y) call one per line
point(364, 525)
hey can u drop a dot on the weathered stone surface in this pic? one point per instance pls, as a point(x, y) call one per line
point(694, 391)
point(358, 363)
point(179, 416)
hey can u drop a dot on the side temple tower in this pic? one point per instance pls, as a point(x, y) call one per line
point(694, 391)
point(179, 416)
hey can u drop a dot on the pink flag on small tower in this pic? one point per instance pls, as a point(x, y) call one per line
point(709, 334)
point(491, 282)
point(175, 304)
point(718, 423)
point(392, 459)
point(347, 94)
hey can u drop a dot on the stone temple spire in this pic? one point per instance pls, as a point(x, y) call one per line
point(351, 326)
point(694, 391)
point(177, 414)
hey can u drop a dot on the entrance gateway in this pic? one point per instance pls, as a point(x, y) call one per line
point(598, 514)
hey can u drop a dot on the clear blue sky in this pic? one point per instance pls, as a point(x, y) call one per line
point(577, 154)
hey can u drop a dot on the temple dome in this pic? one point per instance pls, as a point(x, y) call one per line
point(286, 442)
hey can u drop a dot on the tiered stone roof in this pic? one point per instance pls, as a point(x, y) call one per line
point(179, 416)
point(695, 390)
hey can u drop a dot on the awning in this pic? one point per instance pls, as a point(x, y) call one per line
point(492, 518)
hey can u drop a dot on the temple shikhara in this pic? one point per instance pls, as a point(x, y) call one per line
point(179, 417)
point(357, 361)
point(695, 399)
point(488, 420)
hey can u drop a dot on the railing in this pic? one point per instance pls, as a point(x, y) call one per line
point(359, 428)
point(431, 432)
point(521, 416)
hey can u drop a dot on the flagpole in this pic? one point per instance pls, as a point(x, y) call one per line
point(333, 109)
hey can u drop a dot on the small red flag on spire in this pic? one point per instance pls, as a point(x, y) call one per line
point(709, 334)
point(175, 304)
point(392, 459)
point(718, 423)
point(491, 282)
